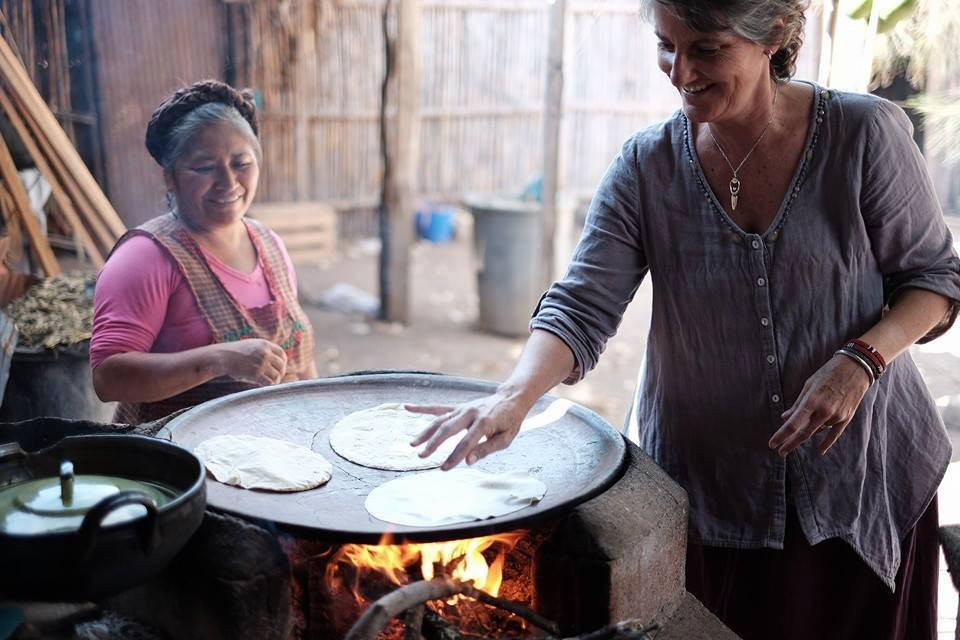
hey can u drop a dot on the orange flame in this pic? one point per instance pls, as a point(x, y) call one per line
point(463, 558)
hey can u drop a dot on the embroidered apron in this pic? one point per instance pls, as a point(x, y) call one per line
point(282, 321)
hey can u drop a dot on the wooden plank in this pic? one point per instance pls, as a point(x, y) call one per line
point(26, 94)
point(307, 240)
point(285, 226)
point(311, 256)
point(59, 195)
point(81, 203)
point(38, 241)
point(553, 113)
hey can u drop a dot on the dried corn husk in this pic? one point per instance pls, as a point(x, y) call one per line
point(58, 311)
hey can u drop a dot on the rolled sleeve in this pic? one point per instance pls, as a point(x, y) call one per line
point(586, 306)
point(909, 237)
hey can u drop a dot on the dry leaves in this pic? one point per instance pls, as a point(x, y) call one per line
point(58, 311)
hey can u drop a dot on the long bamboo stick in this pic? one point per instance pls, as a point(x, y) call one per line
point(59, 194)
point(26, 94)
point(41, 247)
point(104, 236)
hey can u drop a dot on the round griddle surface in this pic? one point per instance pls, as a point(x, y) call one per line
point(576, 454)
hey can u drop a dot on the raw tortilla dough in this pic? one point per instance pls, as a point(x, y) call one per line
point(252, 462)
point(447, 497)
point(380, 438)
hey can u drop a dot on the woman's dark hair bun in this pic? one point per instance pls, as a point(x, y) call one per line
point(185, 100)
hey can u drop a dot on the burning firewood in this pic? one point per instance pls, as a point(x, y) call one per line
point(411, 599)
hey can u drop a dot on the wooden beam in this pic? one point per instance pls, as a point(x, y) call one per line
point(553, 114)
point(25, 94)
point(59, 195)
point(38, 241)
point(402, 158)
point(74, 191)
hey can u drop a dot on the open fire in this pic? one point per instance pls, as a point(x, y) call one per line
point(363, 573)
point(460, 559)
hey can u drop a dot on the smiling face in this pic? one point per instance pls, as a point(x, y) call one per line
point(720, 75)
point(215, 180)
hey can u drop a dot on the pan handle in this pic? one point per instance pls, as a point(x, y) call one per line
point(92, 522)
point(11, 449)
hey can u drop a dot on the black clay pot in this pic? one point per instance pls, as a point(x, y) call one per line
point(95, 558)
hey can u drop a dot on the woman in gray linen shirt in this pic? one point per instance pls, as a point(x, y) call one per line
point(778, 221)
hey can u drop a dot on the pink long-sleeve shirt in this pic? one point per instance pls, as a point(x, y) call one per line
point(143, 303)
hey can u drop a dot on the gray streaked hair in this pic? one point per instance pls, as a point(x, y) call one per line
point(755, 20)
point(181, 135)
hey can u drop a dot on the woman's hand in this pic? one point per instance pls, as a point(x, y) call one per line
point(491, 424)
point(253, 360)
point(827, 402)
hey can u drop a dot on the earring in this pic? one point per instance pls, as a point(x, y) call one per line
point(769, 55)
point(169, 199)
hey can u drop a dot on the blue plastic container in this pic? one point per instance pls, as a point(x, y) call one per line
point(436, 225)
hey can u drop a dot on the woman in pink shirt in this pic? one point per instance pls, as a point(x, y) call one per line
point(201, 301)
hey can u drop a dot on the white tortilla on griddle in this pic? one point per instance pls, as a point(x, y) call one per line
point(254, 462)
point(380, 438)
point(462, 494)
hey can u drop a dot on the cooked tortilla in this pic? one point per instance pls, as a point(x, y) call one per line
point(438, 498)
point(380, 438)
point(253, 462)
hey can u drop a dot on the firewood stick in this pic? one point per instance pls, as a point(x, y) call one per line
point(435, 627)
point(376, 617)
point(59, 196)
point(515, 608)
point(413, 623)
point(41, 247)
point(25, 94)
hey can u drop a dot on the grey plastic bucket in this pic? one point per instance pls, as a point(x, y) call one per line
point(507, 235)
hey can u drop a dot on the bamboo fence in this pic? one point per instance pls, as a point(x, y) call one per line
point(318, 65)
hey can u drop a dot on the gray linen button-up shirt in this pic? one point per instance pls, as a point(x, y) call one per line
point(741, 320)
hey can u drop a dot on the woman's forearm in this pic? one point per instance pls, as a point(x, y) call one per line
point(149, 377)
point(912, 316)
point(546, 361)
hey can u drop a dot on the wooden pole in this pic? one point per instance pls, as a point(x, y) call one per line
point(38, 241)
point(402, 154)
point(553, 113)
point(59, 195)
point(26, 96)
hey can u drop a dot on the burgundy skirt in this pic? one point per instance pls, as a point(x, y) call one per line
point(822, 591)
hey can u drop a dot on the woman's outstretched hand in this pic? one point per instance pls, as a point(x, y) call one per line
point(827, 402)
point(491, 423)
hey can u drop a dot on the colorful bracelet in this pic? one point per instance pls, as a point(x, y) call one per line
point(874, 355)
point(860, 360)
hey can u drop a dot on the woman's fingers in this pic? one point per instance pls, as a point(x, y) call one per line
point(803, 423)
point(443, 428)
point(465, 448)
point(432, 409)
point(492, 444)
point(835, 432)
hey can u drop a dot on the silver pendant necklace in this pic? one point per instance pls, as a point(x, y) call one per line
point(735, 181)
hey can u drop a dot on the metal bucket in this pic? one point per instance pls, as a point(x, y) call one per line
point(53, 383)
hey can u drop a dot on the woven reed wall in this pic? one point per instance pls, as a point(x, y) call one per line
point(481, 101)
point(318, 66)
point(145, 50)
